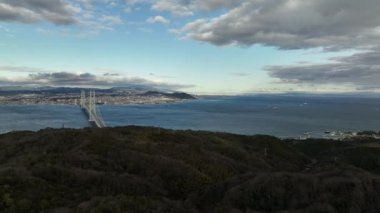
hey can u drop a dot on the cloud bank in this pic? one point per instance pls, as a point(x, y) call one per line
point(88, 15)
point(360, 71)
point(72, 79)
point(58, 12)
point(293, 24)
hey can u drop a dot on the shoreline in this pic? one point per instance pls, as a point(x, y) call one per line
point(150, 115)
point(98, 104)
point(359, 135)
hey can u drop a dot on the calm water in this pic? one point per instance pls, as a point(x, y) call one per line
point(39, 117)
point(280, 115)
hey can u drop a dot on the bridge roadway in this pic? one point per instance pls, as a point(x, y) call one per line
point(93, 117)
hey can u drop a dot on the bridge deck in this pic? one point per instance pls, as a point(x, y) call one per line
point(93, 118)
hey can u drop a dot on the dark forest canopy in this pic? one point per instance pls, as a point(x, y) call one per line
point(142, 169)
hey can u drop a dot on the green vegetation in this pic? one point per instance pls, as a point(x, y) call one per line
point(141, 169)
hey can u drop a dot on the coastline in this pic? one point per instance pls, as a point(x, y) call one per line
point(75, 102)
point(346, 137)
point(240, 115)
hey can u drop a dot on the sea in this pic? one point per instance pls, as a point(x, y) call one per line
point(278, 115)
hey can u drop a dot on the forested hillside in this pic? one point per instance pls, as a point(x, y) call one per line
point(141, 169)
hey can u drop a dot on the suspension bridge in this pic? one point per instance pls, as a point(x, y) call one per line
point(88, 106)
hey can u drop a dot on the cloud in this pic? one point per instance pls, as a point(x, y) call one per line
point(293, 24)
point(332, 25)
point(59, 12)
point(72, 79)
point(360, 71)
point(111, 20)
point(21, 69)
point(63, 78)
point(174, 7)
point(158, 20)
point(111, 74)
point(133, 2)
point(186, 7)
point(89, 16)
point(190, 7)
point(96, 18)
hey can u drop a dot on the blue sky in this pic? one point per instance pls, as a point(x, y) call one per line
point(205, 47)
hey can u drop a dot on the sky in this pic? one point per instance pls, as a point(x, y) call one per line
point(196, 46)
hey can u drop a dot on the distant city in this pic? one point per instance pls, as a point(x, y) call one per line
point(71, 96)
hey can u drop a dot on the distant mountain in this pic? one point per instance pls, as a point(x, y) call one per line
point(137, 88)
point(178, 95)
point(12, 88)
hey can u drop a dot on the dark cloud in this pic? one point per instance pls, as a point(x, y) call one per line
point(86, 79)
point(29, 11)
point(360, 71)
point(64, 78)
point(293, 24)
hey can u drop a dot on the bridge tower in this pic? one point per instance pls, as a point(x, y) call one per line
point(89, 108)
point(83, 99)
point(92, 105)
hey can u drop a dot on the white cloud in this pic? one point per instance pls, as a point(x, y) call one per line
point(111, 20)
point(190, 7)
point(158, 20)
point(173, 7)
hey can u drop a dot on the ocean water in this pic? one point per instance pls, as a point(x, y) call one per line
point(279, 115)
point(36, 117)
